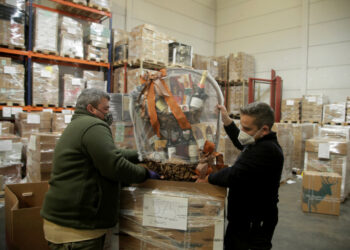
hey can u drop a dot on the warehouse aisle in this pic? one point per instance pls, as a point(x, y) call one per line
point(303, 231)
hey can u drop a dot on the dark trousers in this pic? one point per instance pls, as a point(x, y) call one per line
point(94, 244)
point(253, 234)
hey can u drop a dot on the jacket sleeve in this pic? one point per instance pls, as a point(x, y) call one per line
point(221, 178)
point(111, 163)
point(232, 131)
point(130, 155)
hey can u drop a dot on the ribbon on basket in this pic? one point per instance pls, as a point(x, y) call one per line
point(154, 83)
point(205, 165)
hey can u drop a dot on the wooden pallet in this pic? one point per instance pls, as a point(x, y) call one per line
point(11, 103)
point(335, 123)
point(9, 46)
point(238, 82)
point(78, 2)
point(120, 63)
point(72, 56)
point(179, 66)
point(289, 121)
point(310, 121)
point(148, 64)
point(79, 11)
point(46, 52)
point(98, 7)
point(46, 105)
point(96, 59)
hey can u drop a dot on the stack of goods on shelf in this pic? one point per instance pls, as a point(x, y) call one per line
point(237, 97)
point(195, 220)
point(6, 128)
point(121, 40)
point(45, 84)
point(11, 81)
point(12, 24)
point(101, 4)
point(10, 158)
point(119, 80)
point(40, 152)
point(60, 121)
point(241, 67)
point(217, 66)
point(132, 81)
point(311, 108)
point(321, 192)
point(200, 62)
point(348, 110)
point(46, 31)
point(180, 54)
point(146, 44)
point(95, 79)
point(72, 87)
point(334, 113)
point(335, 132)
point(28, 123)
point(331, 155)
point(71, 38)
point(97, 37)
point(291, 109)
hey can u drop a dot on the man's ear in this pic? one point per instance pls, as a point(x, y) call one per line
point(265, 129)
point(90, 108)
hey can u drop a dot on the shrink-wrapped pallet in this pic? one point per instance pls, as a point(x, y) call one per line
point(28, 123)
point(96, 54)
point(237, 98)
point(95, 79)
point(217, 66)
point(11, 82)
point(101, 4)
point(60, 121)
point(311, 108)
point(46, 31)
point(180, 54)
point(334, 113)
point(6, 128)
point(72, 87)
point(241, 67)
point(71, 38)
point(291, 109)
point(12, 25)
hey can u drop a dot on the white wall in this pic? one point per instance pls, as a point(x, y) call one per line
point(188, 21)
point(306, 41)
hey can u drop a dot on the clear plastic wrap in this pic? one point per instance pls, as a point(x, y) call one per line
point(119, 107)
point(286, 140)
point(19, 4)
point(311, 108)
point(28, 123)
point(121, 53)
point(184, 100)
point(40, 152)
point(72, 87)
point(71, 37)
point(291, 109)
point(329, 155)
point(147, 44)
point(97, 35)
point(219, 64)
point(95, 79)
point(201, 62)
point(226, 147)
point(180, 54)
point(101, 4)
point(6, 128)
point(46, 31)
point(185, 216)
point(335, 132)
point(11, 81)
point(334, 113)
point(123, 135)
point(241, 67)
point(12, 24)
point(45, 84)
point(10, 158)
point(237, 98)
point(60, 121)
point(120, 37)
point(96, 53)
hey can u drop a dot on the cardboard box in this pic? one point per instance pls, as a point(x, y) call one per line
point(196, 211)
point(241, 67)
point(334, 113)
point(321, 192)
point(291, 109)
point(24, 225)
point(60, 121)
point(311, 108)
point(6, 127)
point(28, 123)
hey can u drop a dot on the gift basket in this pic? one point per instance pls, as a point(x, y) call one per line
point(175, 119)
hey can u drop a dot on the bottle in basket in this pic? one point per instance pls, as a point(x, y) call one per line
point(193, 150)
point(199, 95)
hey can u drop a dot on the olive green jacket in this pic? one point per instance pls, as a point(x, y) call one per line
point(87, 174)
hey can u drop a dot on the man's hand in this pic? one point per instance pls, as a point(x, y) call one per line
point(153, 175)
point(224, 115)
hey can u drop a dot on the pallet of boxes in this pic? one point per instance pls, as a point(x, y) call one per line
point(176, 212)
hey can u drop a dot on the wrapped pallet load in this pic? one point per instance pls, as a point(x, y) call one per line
point(334, 113)
point(72, 87)
point(241, 67)
point(291, 109)
point(97, 37)
point(311, 108)
point(95, 79)
point(46, 31)
point(71, 38)
point(121, 41)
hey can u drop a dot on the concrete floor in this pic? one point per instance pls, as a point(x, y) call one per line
point(296, 230)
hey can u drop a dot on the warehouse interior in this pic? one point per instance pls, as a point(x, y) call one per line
point(290, 54)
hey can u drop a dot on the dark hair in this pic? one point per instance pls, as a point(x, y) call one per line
point(91, 96)
point(262, 112)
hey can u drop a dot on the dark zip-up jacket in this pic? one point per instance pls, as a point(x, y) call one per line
point(253, 180)
point(87, 174)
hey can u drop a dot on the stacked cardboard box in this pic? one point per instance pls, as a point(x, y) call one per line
point(101, 4)
point(291, 109)
point(72, 87)
point(311, 108)
point(40, 152)
point(348, 110)
point(123, 135)
point(71, 38)
point(12, 24)
point(121, 41)
point(46, 27)
point(97, 37)
point(321, 192)
point(11, 81)
point(147, 44)
point(334, 113)
point(133, 79)
point(217, 66)
point(45, 84)
point(10, 158)
point(95, 79)
point(330, 155)
point(336, 132)
point(200, 62)
point(28, 123)
point(180, 54)
point(237, 98)
point(6, 128)
point(188, 214)
point(60, 121)
point(241, 67)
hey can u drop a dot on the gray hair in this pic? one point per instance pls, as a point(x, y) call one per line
point(91, 96)
point(262, 112)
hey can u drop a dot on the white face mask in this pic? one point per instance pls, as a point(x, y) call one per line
point(246, 139)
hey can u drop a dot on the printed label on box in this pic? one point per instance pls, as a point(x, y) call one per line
point(66, 111)
point(323, 150)
point(5, 145)
point(45, 73)
point(71, 30)
point(67, 118)
point(9, 70)
point(76, 81)
point(3, 62)
point(290, 102)
point(47, 110)
point(311, 98)
point(6, 112)
point(16, 110)
point(165, 212)
point(33, 119)
point(32, 143)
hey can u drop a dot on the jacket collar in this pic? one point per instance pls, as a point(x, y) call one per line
point(82, 112)
point(269, 136)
